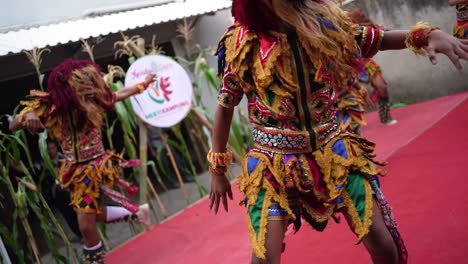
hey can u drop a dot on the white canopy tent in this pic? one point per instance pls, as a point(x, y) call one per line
point(74, 30)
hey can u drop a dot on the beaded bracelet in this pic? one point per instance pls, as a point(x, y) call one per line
point(418, 38)
point(219, 161)
point(141, 87)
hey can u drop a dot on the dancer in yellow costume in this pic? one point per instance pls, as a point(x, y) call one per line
point(72, 113)
point(354, 99)
point(460, 29)
point(289, 58)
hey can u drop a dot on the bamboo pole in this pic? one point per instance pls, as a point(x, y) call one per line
point(60, 230)
point(32, 186)
point(143, 159)
point(158, 199)
point(174, 165)
point(105, 243)
point(16, 198)
point(153, 210)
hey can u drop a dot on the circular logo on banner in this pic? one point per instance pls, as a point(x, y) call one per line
point(166, 101)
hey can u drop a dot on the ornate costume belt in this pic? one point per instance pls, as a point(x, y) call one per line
point(84, 154)
point(281, 141)
point(462, 15)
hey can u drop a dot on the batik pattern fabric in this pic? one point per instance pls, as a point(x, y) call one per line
point(302, 161)
point(88, 170)
point(460, 29)
point(352, 98)
point(352, 108)
point(351, 101)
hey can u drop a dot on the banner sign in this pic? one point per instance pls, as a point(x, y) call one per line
point(166, 101)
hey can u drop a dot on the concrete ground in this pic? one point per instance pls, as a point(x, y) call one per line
point(119, 233)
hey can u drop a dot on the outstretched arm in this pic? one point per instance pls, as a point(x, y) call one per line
point(437, 42)
point(457, 2)
point(220, 185)
point(126, 92)
point(30, 121)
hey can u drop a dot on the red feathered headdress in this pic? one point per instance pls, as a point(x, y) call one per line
point(61, 94)
point(254, 14)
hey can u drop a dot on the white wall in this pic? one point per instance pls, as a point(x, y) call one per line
point(207, 34)
point(413, 78)
point(410, 78)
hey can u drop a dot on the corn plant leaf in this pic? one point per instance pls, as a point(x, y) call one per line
point(12, 242)
point(123, 117)
point(236, 139)
point(45, 154)
point(212, 78)
point(19, 142)
point(197, 64)
point(102, 227)
point(131, 59)
point(152, 165)
point(15, 151)
point(159, 153)
point(128, 105)
point(48, 231)
point(182, 147)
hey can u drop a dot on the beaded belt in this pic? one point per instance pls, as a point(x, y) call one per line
point(281, 141)
point(462, 15)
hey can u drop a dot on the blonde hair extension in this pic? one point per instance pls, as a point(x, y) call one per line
point(325, 31)
point(92, 94)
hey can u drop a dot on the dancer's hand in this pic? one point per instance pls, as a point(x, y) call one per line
point(32, 123)
point(220, 186)
point(150, 78)
point(454, 48)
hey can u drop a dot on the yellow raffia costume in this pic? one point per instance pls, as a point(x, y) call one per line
point(460, 29)
point(88, 171)
point(303, 163)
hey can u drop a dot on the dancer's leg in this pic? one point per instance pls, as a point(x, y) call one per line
point(380, 85)
point(379, 242)
point(273, 242)
point(87, 224)
point(93, 251)
point(114, 214)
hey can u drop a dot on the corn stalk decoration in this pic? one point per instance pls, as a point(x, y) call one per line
point(35, 57)
point(15, 158)
point(25, 195)
point(27, 198)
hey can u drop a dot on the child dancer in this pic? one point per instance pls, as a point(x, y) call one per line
point(72, 112)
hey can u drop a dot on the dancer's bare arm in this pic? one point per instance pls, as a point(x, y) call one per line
point(31, 122)
point(457, 2)
point(126, 92)
point(220, 185)
point(438, 42)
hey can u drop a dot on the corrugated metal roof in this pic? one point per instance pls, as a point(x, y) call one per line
point(70, 31)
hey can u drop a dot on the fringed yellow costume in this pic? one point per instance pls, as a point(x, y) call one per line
point(303, 163)
point(460, 30)
point(88, 170)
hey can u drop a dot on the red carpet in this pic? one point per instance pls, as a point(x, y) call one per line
point(426, 151)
